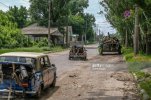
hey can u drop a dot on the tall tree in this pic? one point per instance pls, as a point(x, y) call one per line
point(19, 15)
point(63, 12)
point(39, 11)
point(115, 15)
point(10, 35)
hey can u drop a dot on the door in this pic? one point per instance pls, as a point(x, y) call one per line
point(45, 71)
point(50, 70)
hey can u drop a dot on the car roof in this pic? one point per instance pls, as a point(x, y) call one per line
point(24, 54)
point(78, 46)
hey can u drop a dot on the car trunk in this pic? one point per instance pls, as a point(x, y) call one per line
point(77, 51)
point(15, 76)
point(110, 47)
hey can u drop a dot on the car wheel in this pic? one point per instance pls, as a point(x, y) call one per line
point(119, 52)
point(101, 52)
point(85, 58)
point(54, 81)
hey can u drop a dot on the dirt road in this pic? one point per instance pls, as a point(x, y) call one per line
point(99, 78)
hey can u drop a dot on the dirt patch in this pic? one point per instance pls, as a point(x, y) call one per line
point(130, 90)
point(122, 76)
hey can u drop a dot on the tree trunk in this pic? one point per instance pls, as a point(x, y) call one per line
point(136, 31)
point(147, 45)
point(85, 38)
point(126, 40)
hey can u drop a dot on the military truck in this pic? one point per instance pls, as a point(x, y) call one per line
point(78, 51)
point(109, 44)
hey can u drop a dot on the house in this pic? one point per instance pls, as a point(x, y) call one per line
point(37, 32)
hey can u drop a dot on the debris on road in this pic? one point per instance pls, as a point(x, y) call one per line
point(73, 75)
point(82, 83)
point(122, 76)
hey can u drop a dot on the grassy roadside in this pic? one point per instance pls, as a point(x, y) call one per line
point(91, 42)
point(34, 49)
point(129, 56)
point(140, 67)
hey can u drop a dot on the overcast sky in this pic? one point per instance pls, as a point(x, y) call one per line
point(93, 8)
point(101, 21)
point(4, 4)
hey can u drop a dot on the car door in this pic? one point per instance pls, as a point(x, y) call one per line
point(45, 71)
point(50, 70)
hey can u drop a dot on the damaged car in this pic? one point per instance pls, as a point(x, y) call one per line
point(25, 74)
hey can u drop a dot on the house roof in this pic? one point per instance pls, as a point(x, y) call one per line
point(34, 29)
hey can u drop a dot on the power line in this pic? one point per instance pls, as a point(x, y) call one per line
point(4, 4)
point(9, 6)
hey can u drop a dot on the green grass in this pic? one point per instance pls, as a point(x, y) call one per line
point(34, 49)
point(136, 64)
point(144, 81)
point(129, 56)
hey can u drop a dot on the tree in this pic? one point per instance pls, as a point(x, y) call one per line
point(89, 23)
point(19, 15)
point(115, 15)
point(10, 35)
point(63, 13)
point(39, 11)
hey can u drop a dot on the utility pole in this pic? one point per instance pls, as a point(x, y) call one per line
point(86, 32)
point(136, 31)
point(67, 34)
point(67, 27)
point(49, 20)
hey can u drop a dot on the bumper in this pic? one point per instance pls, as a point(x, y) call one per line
point(3, 91)
point(77, 56)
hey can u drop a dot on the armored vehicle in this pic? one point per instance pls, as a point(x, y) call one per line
point(109, 44)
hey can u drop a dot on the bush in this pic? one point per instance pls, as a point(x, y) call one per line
point(42, 42)
point(10, 35)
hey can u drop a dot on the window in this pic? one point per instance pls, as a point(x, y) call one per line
point(44, 62)
point(16, 59)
